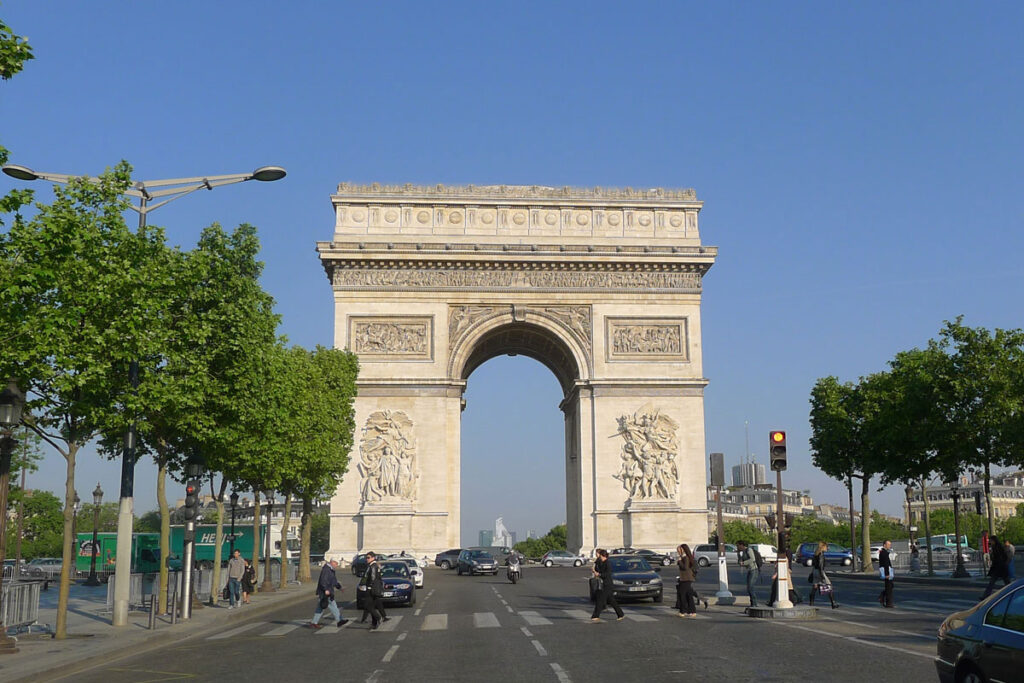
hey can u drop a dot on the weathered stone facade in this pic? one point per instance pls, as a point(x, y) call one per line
point(603, 286)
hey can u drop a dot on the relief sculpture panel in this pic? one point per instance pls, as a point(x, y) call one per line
point(388, 459)
point(391, 338)
point(648, 470)
point(647, 339)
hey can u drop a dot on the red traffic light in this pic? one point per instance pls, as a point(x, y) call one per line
point(778, 437)
point(190, 490)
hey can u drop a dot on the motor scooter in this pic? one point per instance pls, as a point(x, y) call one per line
point(514, 570)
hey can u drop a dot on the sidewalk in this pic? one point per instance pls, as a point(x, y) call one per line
point(91, 639)
point(942, 577)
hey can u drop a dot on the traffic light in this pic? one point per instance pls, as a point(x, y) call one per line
point(977, 502)
point(191, 500)
point(777, 450)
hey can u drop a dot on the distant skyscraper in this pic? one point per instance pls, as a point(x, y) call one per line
point(531, 534)
point(486, 538)
point(748, 474)
point(514, 541)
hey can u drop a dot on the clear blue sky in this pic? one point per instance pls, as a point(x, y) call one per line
point(860, 165)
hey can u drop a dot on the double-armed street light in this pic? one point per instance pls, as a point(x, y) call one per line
point(268, 585)
point(12, 401)
point(234, 504)
point(97, 500)
point(954, 489)
point(144, 190)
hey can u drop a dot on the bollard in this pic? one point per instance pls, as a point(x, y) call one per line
point(152, 611)
point(174, 604)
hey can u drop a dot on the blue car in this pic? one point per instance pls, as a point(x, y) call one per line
point(633, 577)
point(399, 587)
point(836, 554)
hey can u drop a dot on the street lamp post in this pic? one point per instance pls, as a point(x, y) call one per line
point(267, 584)
point(97, 499)
point(234, 502)
point(11, 403)
point(960, 572)
point(143, 190)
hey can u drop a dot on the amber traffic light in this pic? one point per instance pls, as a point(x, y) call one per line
point(777, 450)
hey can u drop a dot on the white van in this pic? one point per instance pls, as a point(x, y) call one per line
point(769, 553)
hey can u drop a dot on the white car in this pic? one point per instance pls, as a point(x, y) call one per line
point(415, 570)
point(769, 553)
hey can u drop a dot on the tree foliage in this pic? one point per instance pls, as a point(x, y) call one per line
point(555, 539)
point(42, 528)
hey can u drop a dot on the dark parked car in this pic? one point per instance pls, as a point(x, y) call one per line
point(836, 554)
point(398, 585)
point(633, 577)
point(985, 642)
point(447, 559)
point(654, 558)
point(476, 562)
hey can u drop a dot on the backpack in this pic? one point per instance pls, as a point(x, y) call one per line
point(758, 560)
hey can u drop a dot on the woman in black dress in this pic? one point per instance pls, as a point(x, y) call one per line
point(605, 596)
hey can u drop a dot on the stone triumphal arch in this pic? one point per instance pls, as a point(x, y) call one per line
point(603, 286)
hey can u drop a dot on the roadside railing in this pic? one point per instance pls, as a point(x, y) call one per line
point(20, 604)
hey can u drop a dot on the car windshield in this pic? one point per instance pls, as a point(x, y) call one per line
point(394, 570)
point(629, 564)
point(480, 555)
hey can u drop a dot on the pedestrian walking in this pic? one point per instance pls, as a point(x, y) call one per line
point(748, 562)
point(986, 550)
point(236, 570)
point(248, 581)
point(822, 584)
point(794, 595)
point(684, 584)
point(326, 593)
point(1010, 551)
point(885, 571)
point(374, 594)
point(605, 596)
point(999, 569)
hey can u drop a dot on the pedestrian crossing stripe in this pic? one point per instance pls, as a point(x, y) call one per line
point(284, 629)
point(391, 623)
point(235, 631)
point(534, 619)
point(485, 620)
point(433, 622)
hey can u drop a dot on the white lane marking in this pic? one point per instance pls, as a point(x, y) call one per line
point(577, 613)
point(331, 627)
point(563, 677)
point(390, 625)
point(534, 619)
point(510, 610)
point(876, 627)
point(639, 617)
point(417, 612)
point(540, 648)
point(390, 653)
point(236, 631)
point(855, 639)
point(401, 636)
point(485, 620)
point(284, 628)
point(504, 603)
point(526, 632)
point(375, 676)
point(435, 622)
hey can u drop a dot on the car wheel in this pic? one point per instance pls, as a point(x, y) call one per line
point(703, 561)
point(968, 673)
point(548, 563)
point(577, 563)
point(659, 596)
point(459, 570)
point(445, 564)
point(666, 562)
point(412, 598)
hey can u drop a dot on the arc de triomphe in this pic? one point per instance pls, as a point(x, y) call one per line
point(603, 286)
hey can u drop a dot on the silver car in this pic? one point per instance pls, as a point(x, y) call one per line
point(706, 554)
point(562, 558)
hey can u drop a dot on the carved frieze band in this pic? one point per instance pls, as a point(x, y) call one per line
point(377, 278)
point(646, 339)
point(392, 338)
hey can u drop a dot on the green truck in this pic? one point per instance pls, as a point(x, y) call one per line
point(145, 556)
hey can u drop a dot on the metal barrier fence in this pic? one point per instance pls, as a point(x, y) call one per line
point(21, 604)
point(8, 572)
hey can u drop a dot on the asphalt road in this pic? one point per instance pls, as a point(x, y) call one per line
point(485, 629)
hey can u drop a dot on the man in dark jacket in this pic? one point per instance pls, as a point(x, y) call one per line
point(885, 571)
point(326, 586)
point(374, 601)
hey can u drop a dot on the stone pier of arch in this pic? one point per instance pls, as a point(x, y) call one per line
point(603, 286)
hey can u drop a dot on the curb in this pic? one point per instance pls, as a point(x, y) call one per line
point(159, 639)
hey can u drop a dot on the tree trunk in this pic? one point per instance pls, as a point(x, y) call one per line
point(988, 500)
point(867, 564)
point(218, 499)
point(256, 545)
point(927, 527)
point(165, 528)
point(284, 541)
point(67, 554)
point(853, 517)
point(306, 535)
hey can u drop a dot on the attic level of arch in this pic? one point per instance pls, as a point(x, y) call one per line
point(703, 253)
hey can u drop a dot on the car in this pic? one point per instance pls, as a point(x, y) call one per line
point(25, 571)
point(476, 562)
point(415, 571)
point(945, 554)
point(621, 551)
point(633, 577)
point(835, 554)
point(448, 559)
point(707, 554)
point(769, 553)
point(50, 566)
point(562, 558)
point(654, 558)
point(399, 587)
point(984, 642)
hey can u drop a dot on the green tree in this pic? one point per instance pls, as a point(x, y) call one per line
point(42, 528)
point(149, 521)
point(14, 52)
point(107, 520)
point(319, 524)
point(554, 539)
point(737, 530)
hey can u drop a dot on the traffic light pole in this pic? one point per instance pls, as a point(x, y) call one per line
point(188, 553)
point(782, 600)
point(723, 570)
